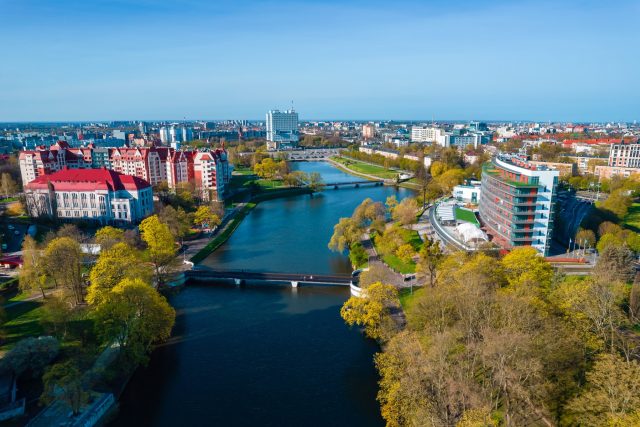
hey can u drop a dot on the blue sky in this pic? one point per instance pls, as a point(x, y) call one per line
point(404, 59)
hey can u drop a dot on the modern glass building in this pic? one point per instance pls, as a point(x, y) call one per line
point(517, 202)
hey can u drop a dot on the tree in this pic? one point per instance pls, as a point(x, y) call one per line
point(608, 227)
point(345, 234)
point(33, 275)
point(376, 272)
point(55, 316)
point(391, 203)
point(524, 267)
point(204, 217)
point(108, 236)
point(612, 392)
point(112, 266)
point(30, 354)
point(7, 185)
point(160, 245)
point(371, 309)
point(314, 181)
point(634, 302)
point(608, 240)
point(586, 237)
point(615, 263)
point(136, 316)
point(406, 211)
point(405, 253)
point(357, 255)
point(178, 221)
point(430, 257)
point(63, 260)
point(64, 381)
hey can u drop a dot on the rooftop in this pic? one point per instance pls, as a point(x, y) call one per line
point(88, 180)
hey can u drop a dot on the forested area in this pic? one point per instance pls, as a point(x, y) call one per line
point(509, 342)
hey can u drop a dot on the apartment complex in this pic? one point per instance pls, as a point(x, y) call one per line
point(209, 171)
point(100, 195)
point(625, 155)
point(448, 139)
point(517, 201)
point(368, 131)
point(282, 129)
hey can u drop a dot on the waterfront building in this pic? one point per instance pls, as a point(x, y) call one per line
point(517, 201)
point(100, 195)
point(282, 129)
point(153, 164)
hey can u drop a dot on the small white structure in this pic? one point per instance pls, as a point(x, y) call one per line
point(470, 233)
point(469, 193)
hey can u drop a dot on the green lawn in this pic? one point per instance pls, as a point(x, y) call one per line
point(632, 220)
point(407, 297)
point(413, 238)
point(367, 168)
point(466, 215)
point(23, 320)
point(398, 265)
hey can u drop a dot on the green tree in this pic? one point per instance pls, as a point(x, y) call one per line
point(405, 253)
point(108, 236)
point(372, 309)
point(430, 257)
point(357, 255)
point(30, 355)
point(612, 392)
point(63, 261)
point(525, 267)
point(345, 234)
point(33, 275)
point(55, 316)
point(160, 246)
point(112, 266)
point(205, 217)
point(136, 316)
point(64, 381)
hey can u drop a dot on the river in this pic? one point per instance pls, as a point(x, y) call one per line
point(266, 355)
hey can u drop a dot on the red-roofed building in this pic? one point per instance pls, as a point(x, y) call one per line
point(100, 195)
point(153, 164)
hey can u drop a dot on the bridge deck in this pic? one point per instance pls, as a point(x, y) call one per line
point(342, 280)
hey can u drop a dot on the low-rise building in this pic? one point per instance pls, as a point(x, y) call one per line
point(468, 193)
point(611, 171)
point(99, 195)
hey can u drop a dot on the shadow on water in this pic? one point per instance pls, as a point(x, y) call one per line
point(257, 356)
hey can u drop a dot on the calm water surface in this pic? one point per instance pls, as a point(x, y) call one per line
point(266, 355)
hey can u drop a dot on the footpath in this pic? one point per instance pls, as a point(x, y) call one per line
point(391, 277)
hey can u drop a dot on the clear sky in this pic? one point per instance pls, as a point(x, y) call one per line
point(402, 59)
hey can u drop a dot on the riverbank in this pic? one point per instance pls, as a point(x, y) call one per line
point(376, 172)
point(222, 234)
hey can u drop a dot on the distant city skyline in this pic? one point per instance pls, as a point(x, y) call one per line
point(103, 60)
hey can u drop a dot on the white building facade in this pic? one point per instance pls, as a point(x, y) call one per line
point(282, 129)
point(98, 195)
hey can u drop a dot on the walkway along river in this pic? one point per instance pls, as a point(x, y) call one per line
point(266, 355)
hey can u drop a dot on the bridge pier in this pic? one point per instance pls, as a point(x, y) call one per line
point(294, 284)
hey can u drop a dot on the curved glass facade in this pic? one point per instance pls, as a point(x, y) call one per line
point(516, 203)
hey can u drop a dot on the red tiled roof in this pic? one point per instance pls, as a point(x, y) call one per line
point(88, 180)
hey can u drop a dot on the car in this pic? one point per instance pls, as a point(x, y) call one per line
point(11, 227)
point(16, 232)
point(409, 277)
